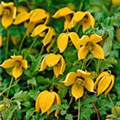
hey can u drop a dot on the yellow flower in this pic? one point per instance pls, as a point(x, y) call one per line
point(44, 31)
point(89, 44)
point(62, 40)
point(17, 63)
point(116, 2)
point(118, 34)
point(85, 17)
point(78, 81)
point(55, 61)
point(104, 83)
point(67, 13)
point(0, 40)
point(46, 100)
point(8, 12)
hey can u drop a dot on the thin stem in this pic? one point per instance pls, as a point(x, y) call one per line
point(79, 109)
point(71, 100)
point(89, 63)
point(7, 44)
point(9, 86)
point(41, 51)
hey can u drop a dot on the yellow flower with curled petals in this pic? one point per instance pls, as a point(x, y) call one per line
point(44, 31)
point(55, 61)
point(46, 100)
point(0, 40)
point(89, 44)
point(67, 13)
point(104, 83)
point(17, 63)
point(62, 40)
point(8, 12)
point(79, 80)
point(85, 17)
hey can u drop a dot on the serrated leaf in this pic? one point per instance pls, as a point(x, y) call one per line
point(32, 81)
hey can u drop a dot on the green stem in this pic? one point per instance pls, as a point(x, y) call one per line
point(79, 109)
point(7, 44)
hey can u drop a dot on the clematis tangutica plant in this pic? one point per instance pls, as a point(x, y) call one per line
point(17, 63)
point(46, 100)
point(89, 44)
point(56, 61)
point(79, 80)
point(104, 83)
point(8, 12)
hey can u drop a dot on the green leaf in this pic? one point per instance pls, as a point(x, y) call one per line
point(69, 117)
point(29, 113)
point(32, 81)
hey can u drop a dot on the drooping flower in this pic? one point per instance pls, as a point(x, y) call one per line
point(79, 80)
point(62, 40)
point(104, 83)
point(44, 31)
point(89, 44)
point(17, 63)
point(55, 61)
point(67, 13)
point(0, 40)
point(8, 12)
point(85, 17)
point(46, 100)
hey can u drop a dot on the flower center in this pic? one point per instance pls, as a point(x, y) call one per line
point(17, 64)
point(80, 82)
point(7, 11)
point(90, 46)
point(85, 19)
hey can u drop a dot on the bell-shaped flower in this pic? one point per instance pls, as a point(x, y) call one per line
point(0, 40)
point(46, 100)
point(67, 13)
point(104, 83)
point(85, 17)
point(62, 40)
point(17, 63)
point(79, 80)
point(55, 61)
point(89, 44)
point(44, 31)
point(8, 12)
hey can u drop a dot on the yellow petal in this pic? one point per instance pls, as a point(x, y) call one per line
point(0, 40)
point(103, 84)
point(63, 12)
point(43, 64)
point(98, 52)
point(82, 73)
point(37, 15)
point(95, 38)
point(30, 27)
point(52, 59)
point(1, 9)
point(89, 84)
point(56, 70)
point(99, 78)
point(92, 20)
point(77, 91)
point(7, 21)
point(10, 4)
point(50, 45)
point(62, 42)
point(21, 17)
point(17, 57)
point(67, 22)
point(24, 63)
point(17, 72)
point(111, 85)
point(39, 29)
point(8, 63)
point(63, 65)
point(22, 9)
point(47, 19)
point(82, 53)
point(86, 25)
point(84, 40)
point(70, 79)
point(75, 39)
point(46, 102)
point(57, 101)
point(14, 10)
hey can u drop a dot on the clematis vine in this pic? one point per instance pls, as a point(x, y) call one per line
point(89, 44)
point(79, 80)
point(104, 83)
point(67, 13)
point(55, 61)
point(8, 12)
point(46, 100)
point(17, 63)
